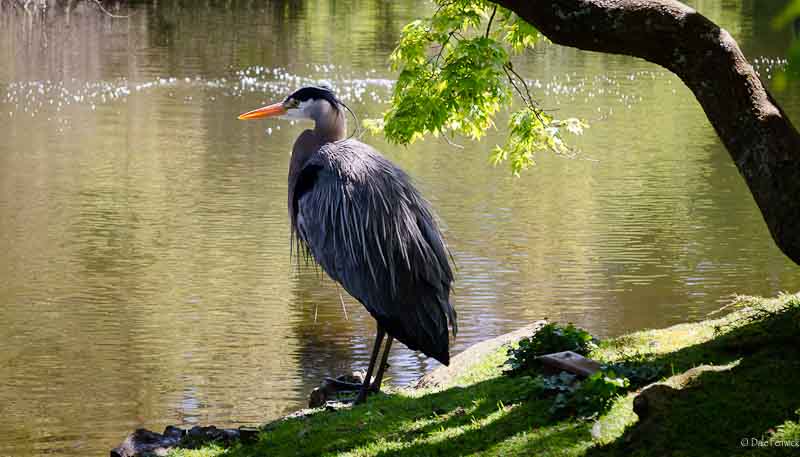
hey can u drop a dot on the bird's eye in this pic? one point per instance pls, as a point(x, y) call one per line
point(293, 103)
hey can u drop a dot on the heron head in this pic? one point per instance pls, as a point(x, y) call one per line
point(310, 102)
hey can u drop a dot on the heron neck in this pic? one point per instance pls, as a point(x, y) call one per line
point(329, 124)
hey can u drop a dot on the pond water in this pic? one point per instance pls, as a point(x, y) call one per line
point(146, 277)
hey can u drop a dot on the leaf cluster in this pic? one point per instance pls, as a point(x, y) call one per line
point(571, 397)
point(595, 394)
point(550, 338)
point(455, 76)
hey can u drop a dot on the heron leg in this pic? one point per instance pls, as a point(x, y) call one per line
point(362, 394)
point(376, 385)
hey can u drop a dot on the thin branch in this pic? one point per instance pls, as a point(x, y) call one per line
point(491, 18)
point(435, 59)
point(513, 82)
point(526, 96)
point(530, 99)
point(448, 141)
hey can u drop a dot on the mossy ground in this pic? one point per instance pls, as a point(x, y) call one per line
point(486, 413)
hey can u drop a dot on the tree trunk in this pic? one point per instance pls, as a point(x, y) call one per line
point(757, 133)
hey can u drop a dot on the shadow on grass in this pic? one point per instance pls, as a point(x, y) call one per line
point(719, 410)
point(457, 421)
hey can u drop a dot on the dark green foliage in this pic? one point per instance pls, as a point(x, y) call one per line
point(594, 395)
point(549, 339)
point(637, 375)
point(590, 397)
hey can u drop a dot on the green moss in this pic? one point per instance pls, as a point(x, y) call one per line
point(487, 414)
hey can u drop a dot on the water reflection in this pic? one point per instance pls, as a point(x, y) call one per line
point(147, 278)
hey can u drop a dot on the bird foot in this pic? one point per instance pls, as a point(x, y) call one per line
point(345, 389)
point(362, 395)
point(340, 389)
point(344, 386)
point(341, 385)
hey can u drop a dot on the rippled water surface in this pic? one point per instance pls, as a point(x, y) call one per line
point(146, 277)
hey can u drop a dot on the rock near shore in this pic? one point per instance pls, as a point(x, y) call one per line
point(146, 443)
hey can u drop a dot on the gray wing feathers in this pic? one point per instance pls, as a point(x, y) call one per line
point(370, 230)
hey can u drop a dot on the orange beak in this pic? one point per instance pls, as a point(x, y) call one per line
point(276, 109)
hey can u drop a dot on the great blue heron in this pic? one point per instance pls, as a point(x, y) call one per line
point(360, 218)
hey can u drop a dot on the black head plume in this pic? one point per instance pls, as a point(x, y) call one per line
point(324, 92)
point(316, 93)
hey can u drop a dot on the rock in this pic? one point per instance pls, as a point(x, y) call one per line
point(655, 402)
point(569, 361)
point(197, 436)
point(145, 443)
point(173, 432)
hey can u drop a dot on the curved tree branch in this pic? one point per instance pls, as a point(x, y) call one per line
point(757, 133)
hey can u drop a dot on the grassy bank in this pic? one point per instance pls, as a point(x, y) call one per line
point(752, 393)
